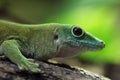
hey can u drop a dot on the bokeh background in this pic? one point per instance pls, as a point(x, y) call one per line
point(99, 17)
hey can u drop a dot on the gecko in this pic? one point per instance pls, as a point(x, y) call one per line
point(22, 43)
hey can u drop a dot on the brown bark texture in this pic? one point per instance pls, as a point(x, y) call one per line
point(50, 71)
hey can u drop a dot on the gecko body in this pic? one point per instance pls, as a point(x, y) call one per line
point(20, 42)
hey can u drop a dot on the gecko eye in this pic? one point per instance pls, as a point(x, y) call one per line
point(77, 32)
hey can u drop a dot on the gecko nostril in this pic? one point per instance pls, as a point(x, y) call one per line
point(55, 37)
point(103, 44)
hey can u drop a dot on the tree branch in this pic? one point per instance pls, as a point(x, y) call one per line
point(50, 71)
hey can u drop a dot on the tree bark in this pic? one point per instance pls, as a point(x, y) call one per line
point(50, 71)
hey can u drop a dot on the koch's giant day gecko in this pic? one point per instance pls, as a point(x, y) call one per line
point(22, 43)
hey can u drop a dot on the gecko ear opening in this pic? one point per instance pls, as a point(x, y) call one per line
point(55, 37)
point(77, 32)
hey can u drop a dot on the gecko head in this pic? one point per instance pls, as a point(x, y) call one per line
point(73, 40)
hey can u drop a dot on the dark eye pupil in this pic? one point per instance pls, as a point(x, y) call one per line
point(77, 31)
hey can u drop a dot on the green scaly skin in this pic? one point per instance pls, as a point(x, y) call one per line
point(22, 43)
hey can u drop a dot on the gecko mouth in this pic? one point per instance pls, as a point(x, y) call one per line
point(91, 44)
point(87, 45)
point(93, 47)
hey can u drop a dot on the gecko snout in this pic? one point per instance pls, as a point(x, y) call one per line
point(102, 44)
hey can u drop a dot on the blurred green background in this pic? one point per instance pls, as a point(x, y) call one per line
point(99, 17)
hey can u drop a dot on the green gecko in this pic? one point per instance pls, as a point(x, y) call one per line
point(22, 43)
